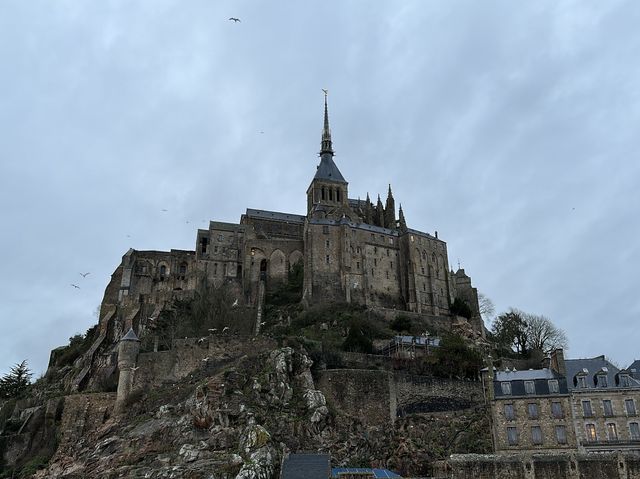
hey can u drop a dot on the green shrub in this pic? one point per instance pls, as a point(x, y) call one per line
point(401, 323)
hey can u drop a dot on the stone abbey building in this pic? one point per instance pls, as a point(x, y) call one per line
point(353, 251)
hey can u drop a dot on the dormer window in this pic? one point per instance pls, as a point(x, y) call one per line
point(529, 387)
point(553, 386)
point(623, 380)
point(506, 388)
point(601, 380)
point(580, 382)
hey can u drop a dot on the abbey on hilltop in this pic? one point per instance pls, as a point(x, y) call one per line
point(352, 250)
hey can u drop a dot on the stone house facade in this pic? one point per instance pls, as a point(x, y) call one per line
point(353, 251)
point(583, 405)
point(605, 403)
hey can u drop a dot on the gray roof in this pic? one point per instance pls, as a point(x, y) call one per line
point(590, 367)
point(274, 215)
point(130, 336)
point(635, 365)
point(306, 466)
point(419, 340)
point(525, 375)
point(327, 170)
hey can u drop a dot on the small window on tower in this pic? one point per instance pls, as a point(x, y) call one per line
point(325, 230)
point(327, 259)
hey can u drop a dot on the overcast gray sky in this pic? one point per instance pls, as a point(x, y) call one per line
point(511, 128)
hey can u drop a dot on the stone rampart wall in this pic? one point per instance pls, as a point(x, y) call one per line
point(359, 392)
point(420, 394)
point(194, 353)
point(570, 466)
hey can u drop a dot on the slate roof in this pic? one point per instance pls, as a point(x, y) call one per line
point(306, 466)
point(591, 366)
point(327, 170)
point(378, 473)
point(130, 336)
point(525, 375)
point(274, 215)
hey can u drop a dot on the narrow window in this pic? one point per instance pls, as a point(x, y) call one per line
point(603, 382)
point(590, 432)
point(424, 287)
point(224, 270)
point(392, 265)
point(509, 414)
point(163, 270)
point(607, 407)
point(326, 259)
point(215, 249)
point(586, 409)
point(375, 262)
point(326, 243)
point(323, 194)
point(582, 382)
point(630, 406)
point(375, 250)
point(387, 252)
point(338, 195)
point(330, 194)
point(203, 244)
point(561, 434)
point(422, 270)
point(358, 265)
point(624, 381)
point(533, 410)
point(372, 272)
point(634, 430)
point(536, 435)
point(215, 269)
point(387, 274)
point(556, 410)
point(553, 386)
point(530, 387)
point(512, 436)
point(612, 431)
point(506, 388)
point(325, 230)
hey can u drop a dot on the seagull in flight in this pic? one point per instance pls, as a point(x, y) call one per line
point(235, 303)
point(164, 210)
point(75, 286)
point(84, 275)
point(236, 20)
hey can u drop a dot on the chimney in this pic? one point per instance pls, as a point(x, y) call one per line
point(557, 362)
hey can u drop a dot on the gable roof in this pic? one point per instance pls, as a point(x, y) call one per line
point(306, 466)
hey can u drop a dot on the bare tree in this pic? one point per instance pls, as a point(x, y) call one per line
point(542, 334)
point(487, 309)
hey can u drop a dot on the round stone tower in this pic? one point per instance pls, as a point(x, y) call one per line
point(128, 350)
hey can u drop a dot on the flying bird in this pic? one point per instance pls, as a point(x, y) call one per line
point(84, 275)
point(236, 20)
point(134, 369)
point(225, 329)
point(235, 303)
point(75, 286)
point(163, 210)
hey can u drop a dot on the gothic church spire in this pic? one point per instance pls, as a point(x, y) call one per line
point(325, 145)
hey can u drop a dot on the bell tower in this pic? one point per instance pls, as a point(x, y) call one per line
point(328, 190)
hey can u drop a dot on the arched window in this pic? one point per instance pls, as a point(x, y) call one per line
point(163, 270)
point(330, 194)
point(323, 193)
point(183, 268)
point(338, 195)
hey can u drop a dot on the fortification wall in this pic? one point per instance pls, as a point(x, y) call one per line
point(190, 354)
point(360, 393)
point(82, 414)
point(420, 394)
point(572, 466)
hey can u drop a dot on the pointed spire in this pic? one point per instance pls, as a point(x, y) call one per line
point(368, 211)
point(380, 213)
point(403, 223)
point(390, 211)
point(325, 145)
